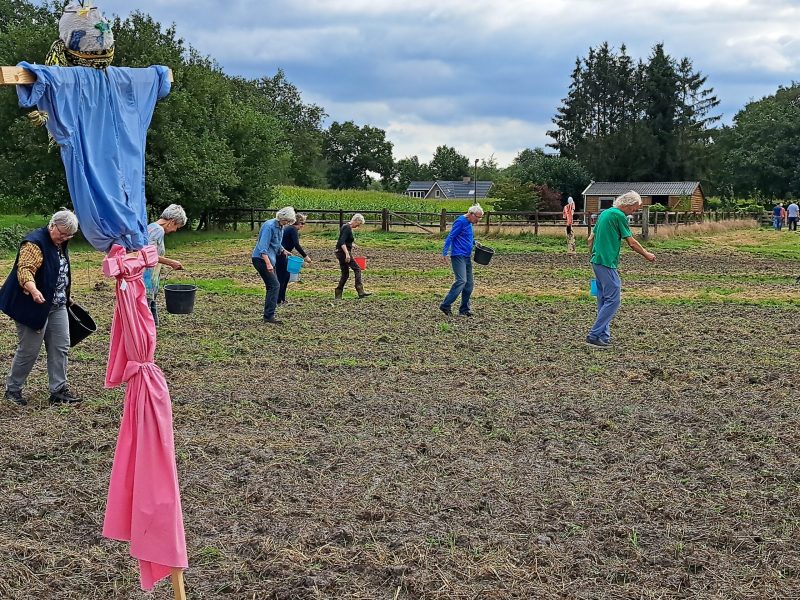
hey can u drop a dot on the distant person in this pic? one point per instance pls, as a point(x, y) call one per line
point(604, 245)
point(792, 214)
point(459, 243)
point(265, 256)
point(344, 254)
point(777, 216)
point(36, 295)
point(290, 243)
point(568, 214)
point(172, 219)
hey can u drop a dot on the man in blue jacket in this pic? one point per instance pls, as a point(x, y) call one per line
point(459, 243)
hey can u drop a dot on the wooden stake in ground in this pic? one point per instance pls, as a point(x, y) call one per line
point(177, 584)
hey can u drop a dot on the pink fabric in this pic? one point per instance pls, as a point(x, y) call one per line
point(568, 212)
point(144, 503)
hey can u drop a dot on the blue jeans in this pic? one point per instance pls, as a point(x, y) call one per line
point(609, 288)
point(462, 269)
point(777, 222)
point(272, 284)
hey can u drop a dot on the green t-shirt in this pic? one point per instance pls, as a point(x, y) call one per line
point(611, 228)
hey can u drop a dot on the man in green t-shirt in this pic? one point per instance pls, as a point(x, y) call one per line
point(611, 228)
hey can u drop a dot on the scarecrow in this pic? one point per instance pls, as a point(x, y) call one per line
point(98, 116)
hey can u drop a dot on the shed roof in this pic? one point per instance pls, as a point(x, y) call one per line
point(643, 188)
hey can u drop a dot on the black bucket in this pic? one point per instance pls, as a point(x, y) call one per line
point(179, 298)
point(81, 324)
point(483, 254)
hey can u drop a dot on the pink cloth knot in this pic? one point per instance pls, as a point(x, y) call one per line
point(132, 367)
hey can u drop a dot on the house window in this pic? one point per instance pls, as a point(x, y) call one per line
point(472, 192)
point(606, 202)
point(438, 193)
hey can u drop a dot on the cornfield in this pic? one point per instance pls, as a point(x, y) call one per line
point(354, 200)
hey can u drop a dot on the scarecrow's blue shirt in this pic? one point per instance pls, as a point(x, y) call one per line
point(99, 118)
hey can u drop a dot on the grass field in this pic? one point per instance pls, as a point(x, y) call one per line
point(375, 449)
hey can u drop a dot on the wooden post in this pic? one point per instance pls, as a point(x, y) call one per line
point(536, 223)
point(177, 584)
point(385, 220)
point(655, 223)
point(645, 223)
point(487, 222)
point(19, 76)
point(252, 219)
point(341, 218)
point(443, 220)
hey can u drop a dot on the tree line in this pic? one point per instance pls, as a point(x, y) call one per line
point(219, 141)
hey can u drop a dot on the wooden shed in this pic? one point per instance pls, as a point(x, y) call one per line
point(675, 195)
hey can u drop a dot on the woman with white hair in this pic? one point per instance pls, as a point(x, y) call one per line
point(344, 254)
point(172, 218)
point(568, 214)
point(36, 294)
point(459, 243)
point(604, 241)
point(265, 257)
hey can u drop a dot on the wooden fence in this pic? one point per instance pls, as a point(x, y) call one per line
point(433, 222)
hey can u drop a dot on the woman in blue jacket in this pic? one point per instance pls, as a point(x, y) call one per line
point(265, 257)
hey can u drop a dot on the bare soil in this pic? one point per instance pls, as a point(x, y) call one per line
point(376, 449)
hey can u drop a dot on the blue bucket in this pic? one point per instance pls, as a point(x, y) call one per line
point(593, 287)
point(294, 264)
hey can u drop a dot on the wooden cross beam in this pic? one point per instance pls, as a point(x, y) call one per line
point(19, 76)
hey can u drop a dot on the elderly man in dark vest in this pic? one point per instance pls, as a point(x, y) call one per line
point(35, 295)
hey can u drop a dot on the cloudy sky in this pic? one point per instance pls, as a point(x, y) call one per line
point(483, 76)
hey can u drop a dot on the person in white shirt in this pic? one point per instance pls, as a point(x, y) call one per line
point(792, 213)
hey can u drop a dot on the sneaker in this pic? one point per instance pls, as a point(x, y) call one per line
point(596, 343)
point(16, 397)
point(466, 313)
point(364, 294)
point(273, 321)
point(63, 396)
point(446, 310)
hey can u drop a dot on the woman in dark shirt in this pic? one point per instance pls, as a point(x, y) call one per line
point(344, 250)
point(291, 242)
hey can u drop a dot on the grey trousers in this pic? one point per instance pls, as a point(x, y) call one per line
point(55, 335)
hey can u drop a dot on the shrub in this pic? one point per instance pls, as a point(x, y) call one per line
point(10, 237)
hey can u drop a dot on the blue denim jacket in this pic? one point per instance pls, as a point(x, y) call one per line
point(269, 241)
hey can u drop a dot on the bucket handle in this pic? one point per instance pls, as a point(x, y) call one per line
point(169, 271)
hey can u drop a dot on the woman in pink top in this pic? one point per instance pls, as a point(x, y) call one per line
point(568, 214)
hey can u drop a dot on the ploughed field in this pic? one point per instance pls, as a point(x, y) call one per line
point(376, 449)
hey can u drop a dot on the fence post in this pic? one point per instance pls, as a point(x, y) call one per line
point(536, 223)
point(645, 223)
point(252, 219)
point(443, 220)
point(341, 218)
point(487, 222)
point(385, 219)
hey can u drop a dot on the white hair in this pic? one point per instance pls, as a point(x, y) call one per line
point(475, 209)
point(357, 218)
point(628, 199)
point(66, 220)
point(286, 213)
point(175, 212)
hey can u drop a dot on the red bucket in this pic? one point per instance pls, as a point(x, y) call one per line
point(361, 261)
